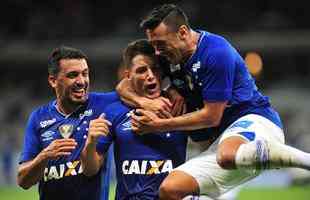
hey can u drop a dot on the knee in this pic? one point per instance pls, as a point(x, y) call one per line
point(227, 152)
point(178, 185)
point(167, 191)
point(226, 159)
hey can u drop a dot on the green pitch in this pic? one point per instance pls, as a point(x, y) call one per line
point(291, 193)
point(15, 193)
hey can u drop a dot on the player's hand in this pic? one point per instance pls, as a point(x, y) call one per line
point(178, 103)
point(144, 121)
point(98, 127)
point(161, 106)
point(58, 148)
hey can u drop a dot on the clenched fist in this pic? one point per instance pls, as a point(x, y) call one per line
point(98, 127)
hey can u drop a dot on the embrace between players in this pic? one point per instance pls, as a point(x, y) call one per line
point(150, 124)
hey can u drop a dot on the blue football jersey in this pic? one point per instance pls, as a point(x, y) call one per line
point(142, 161)
point(63, 178)
point(217, 71)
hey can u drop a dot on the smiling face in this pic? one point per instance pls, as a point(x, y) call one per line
point(167, 43)
point(144, 76)
point(71, 83)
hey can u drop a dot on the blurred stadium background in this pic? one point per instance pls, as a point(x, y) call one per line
point(273, 37)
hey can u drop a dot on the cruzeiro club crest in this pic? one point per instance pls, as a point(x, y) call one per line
point(66, 130)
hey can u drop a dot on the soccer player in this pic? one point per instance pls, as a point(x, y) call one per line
point(56, 132)
point(252, 137)
point(142, 162)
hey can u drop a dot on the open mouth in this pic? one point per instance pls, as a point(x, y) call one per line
point(78, 92)
point(151, 86)
point(152, 89)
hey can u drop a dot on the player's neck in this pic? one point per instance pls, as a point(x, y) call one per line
point(192, 45)
point(66, 109)
point(194, 40)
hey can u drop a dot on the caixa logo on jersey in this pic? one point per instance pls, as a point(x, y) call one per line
point(62, 170)
point(146, 167)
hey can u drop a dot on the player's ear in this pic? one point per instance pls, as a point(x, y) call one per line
point(52, 80)
point(183, 32)
point(126, 73)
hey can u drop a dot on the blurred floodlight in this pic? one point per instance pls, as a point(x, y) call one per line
point(254, 63)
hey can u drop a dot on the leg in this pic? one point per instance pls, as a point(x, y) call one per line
point(264, 149)
point(177, 185)
point(202, 176)
point(264, 154)
point(227, 151)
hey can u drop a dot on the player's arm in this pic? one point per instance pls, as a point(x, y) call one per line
point(177, 101)
point(216, 76)
point(127, 94)
point(209, 116)
point(33, 159)
point(160, 105)
point(31, 172)
point(91, 159)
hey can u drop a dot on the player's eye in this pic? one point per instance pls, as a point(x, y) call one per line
point(72, 74)
point(141, 70)
point(85, 74)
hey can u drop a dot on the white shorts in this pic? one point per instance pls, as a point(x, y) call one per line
point(214, 180)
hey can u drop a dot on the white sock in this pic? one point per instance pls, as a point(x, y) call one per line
point(261, 155)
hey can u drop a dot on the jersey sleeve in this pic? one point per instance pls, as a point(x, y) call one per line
point(31, 147)
point(104, 143)
point(218, 74)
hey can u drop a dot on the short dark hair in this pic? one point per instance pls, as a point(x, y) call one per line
point(169, 14)
point(137, 47)
point(62, 52)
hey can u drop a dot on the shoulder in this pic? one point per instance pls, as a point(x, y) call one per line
point(214, 40)
point(40, 114)
point(116, 108)
point(108, 96)
point(218, 50)
point(214, 44)
point(102, 99)
point(116, 113)
point(42, 110)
